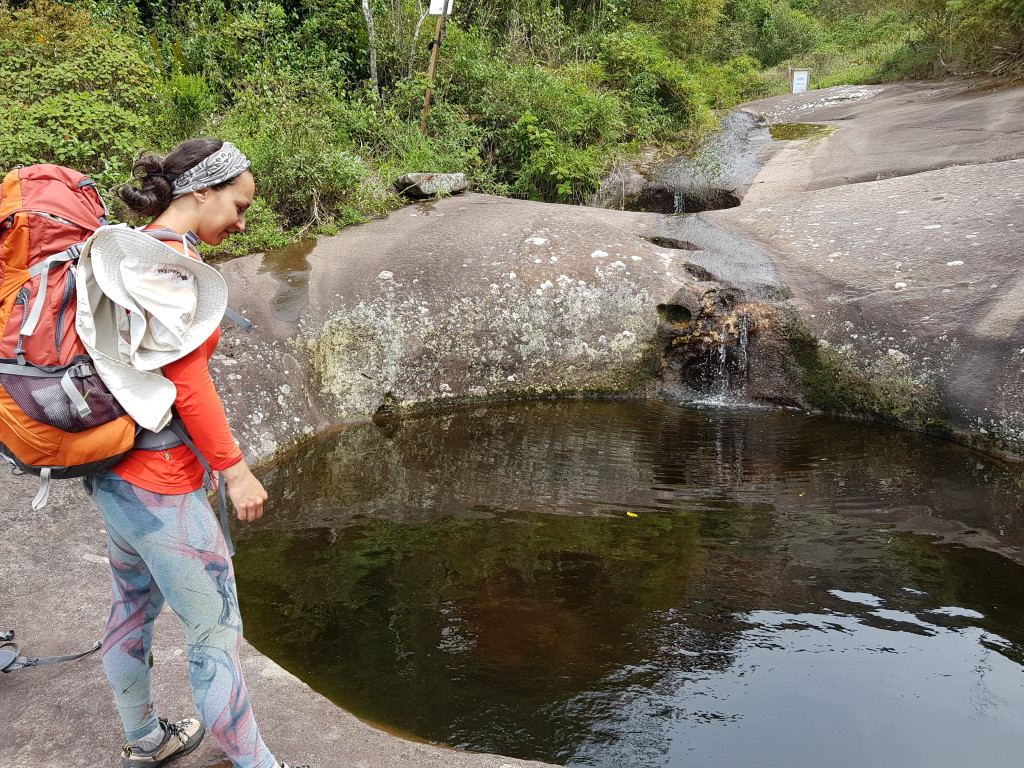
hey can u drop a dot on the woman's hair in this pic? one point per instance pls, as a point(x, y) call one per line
point(157, 174)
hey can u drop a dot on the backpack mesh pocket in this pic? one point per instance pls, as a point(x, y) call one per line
point(43, 399)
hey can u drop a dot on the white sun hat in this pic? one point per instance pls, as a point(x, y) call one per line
point(175, 303)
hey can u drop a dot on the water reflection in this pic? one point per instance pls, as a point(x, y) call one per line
point(290, 268)
point(612, 584)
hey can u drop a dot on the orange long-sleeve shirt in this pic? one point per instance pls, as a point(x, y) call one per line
point(177, 470)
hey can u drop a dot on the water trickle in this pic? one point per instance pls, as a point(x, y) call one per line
point(721, 377)
point(718, 174)
point(742, 359)
point(720, 385)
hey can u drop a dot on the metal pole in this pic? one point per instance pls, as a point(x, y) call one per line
point(435, 47)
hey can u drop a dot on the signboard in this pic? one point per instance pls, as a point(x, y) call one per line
point(437, 7)
point(801, 80)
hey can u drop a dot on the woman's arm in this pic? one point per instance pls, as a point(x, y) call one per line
point(202, 411)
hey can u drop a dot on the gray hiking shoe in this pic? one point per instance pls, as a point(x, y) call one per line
point(288, 765)
point(180, 738)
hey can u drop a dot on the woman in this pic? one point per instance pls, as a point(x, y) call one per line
point(164, 542)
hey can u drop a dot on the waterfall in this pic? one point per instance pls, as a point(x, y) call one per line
point(725, 375)
point(742, 360)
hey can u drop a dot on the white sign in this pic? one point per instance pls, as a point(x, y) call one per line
point(437, 7)
point(801, 79)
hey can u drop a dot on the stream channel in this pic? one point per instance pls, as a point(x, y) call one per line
point(633, 584)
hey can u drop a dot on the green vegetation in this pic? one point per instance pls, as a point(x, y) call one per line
point(534, 99)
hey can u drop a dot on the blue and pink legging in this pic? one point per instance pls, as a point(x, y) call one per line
point(170, 548)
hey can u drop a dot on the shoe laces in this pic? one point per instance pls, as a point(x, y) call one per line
point(175, 729)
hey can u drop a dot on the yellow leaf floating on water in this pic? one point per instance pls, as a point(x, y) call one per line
point(633, 514)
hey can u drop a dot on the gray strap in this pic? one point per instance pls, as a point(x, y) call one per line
point(147, 440)
point(75, 396)
point(63, 257)
point(21, 661)
point(43, 494)
point(179, 429)
point(222, 497)
point(10, 653)
point(37, 307)
point(238, 320)
point(106, 212)
point(80, 371)
point(167, 234)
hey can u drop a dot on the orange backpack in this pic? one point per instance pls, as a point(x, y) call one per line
point(57, 418)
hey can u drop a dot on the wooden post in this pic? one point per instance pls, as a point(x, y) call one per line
point(434, 48)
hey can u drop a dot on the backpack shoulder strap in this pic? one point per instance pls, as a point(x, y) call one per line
point(190, 240)
point(238, 320)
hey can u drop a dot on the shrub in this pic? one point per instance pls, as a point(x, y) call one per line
point(512, 122)
point(498, 93)
point(785, 32)
point(972, 37)
point(81, 130)
point(188, 104)
point(552, 169)
point(76, 92)
point(662, 88)
point(257, 41)
point(302, 171)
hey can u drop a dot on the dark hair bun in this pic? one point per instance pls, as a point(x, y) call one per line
point(156, 191)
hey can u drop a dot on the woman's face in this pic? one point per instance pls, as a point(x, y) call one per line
point(222, 214)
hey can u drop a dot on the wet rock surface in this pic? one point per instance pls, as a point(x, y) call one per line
point(912, 288)
point(469, 298)
point(714, 178)
point(906, 284)
point(886, 131)
point(719, 175)
point(877, 243)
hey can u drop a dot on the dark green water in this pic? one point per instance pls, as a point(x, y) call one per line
point(800, 131)
point(628, 584)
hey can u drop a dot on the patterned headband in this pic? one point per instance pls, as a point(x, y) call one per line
point(224, 164)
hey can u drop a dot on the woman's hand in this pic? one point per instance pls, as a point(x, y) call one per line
point(246, 492)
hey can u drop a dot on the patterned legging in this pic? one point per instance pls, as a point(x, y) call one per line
point(170, 548)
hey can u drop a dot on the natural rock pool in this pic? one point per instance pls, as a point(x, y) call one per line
point(634, 584)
